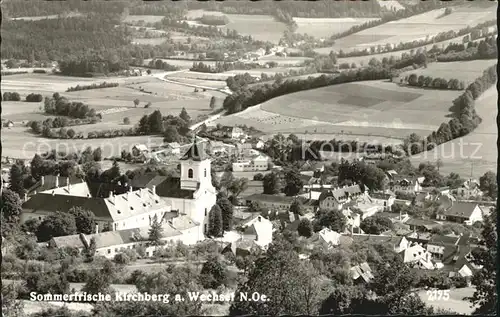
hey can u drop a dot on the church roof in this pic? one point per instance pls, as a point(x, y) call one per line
point(196, 152)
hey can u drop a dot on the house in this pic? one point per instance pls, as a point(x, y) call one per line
point(71, 186)
point(140, 152)
point(409, 185)
point(259, 145)
point(384, 198)
point(361, 273)
point(242, 248)
point(458, 260)
point(147, 180)
point(275, 202)
point(395, 217)
point(110, 243)
point(174, 147)
point(421, 225)
point(418, 256)
point(437, 244)
point(326, 237)
point(133, 209)
point(260, 230)
point(353, 220)
point(398, 244)
point(229, 132)
point(462, 212)
point(259, 163)
point(421, 198)
point(8, 124)
point(420, 238)
point(336, 198)
point(469, 189)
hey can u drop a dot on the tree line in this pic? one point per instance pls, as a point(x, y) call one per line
point(215, 20)
point(466, 119)
point(436, 83)
point(61, 106)
point(485, 49)
point(255, 95)
point(92, 86)
point(221, 67)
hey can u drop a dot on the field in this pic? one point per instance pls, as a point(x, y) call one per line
point(324, 28)
point(284, 61)
point(148, 41)
point(114, 103)
point(477, 149)
point(390, 4)
point(417, 27)
point(469, 70)
point(43, 17)
point(371, 110)
point(145, 18)
point(260, 27)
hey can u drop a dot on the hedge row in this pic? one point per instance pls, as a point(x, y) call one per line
point(93, 86)
point(436, 83)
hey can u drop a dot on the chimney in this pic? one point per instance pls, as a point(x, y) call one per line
point(57, 180)
point(67, 181)
point(43, 180)
point(96, 228)
point(260, 219)
point(130, 188)
point(154, 189)
point(25, 197)
point(111, 197)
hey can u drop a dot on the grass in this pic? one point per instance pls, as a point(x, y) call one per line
point(260, 27)
point(469, 70)
point(324, 28)
point(371, 110)
point(145, 18)
point(417, 27)
point(169, 98)
point(477, 149)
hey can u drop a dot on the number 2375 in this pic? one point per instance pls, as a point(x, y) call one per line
point(436, 294)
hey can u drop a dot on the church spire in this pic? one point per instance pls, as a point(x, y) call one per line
point(195, 152)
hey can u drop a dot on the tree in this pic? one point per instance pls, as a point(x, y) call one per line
point(171, 134)
point(84, 219)
point(99, 280)
point(297, 208)
point(213, 273)
point(155, 121)
point(126, 120)
point(36, 166)
point(305, 228)
point(488, 184)
point(344, 300)
point(11, 207)
point(406, 305)
point(90, 251)
point(238, 186)
point(16, 181)
point(485, 279)
point(227, 211)
point(184, 115)
point(155, 232)
point(97, 154)
point(393, 278)
point(212, 102)
point(272, 184)
point(333, 219)
point(290, 286)
point(136, 102)
point(293, 182)
point(215, 223)
point(56, 225)
point(376, 224)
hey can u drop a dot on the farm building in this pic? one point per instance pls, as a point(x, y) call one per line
point(259, 163)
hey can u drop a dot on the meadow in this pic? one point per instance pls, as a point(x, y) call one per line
point(260, 27)
point(146, 18)
point(417, 27)
point(477, 149)
point(324, 28)
point(469, 70)
point(370, 110)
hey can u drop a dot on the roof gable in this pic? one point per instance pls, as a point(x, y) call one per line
point(196, 152)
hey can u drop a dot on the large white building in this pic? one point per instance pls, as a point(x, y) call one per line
point(191, 194)
point(259, 163)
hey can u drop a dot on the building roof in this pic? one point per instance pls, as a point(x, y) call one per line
point(384, 196)
point(147, 180)
point(271, 198)
point(171, 187)
point(438, 239)
point(196, 152)
point(460, 209)
point(363, 270)
point(370, 238)
point(341, 193)
point(115, 207)
point(50, 182)
point(141, 147)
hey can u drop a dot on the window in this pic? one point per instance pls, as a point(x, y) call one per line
point(190, 173)
point(205, 173)
point(205, 212)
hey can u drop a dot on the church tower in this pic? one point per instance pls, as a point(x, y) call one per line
point(195, 167)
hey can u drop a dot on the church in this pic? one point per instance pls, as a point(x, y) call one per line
point(191, 195)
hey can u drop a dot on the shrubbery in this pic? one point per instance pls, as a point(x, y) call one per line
point(34, 98)
point(436, 83)
point(58, 105)
point(214, 19)
point(39, 71)
point(93, 86)
point(220, 67)
point(11, 96)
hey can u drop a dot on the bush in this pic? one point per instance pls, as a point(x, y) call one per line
point(11, 96)
point(39, 71)
point(126, 120)
point(122, 258)
point(258, 177)
point(93, 86)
